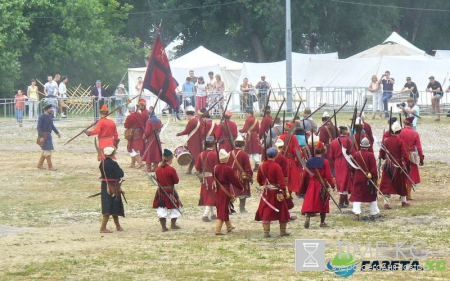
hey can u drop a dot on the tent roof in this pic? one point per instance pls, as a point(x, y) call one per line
point(397, 39)
point(388, 50)
point(202, 57)
point(442, 54)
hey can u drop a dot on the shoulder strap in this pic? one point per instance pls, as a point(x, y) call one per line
point(252, 126)
point(235, 160)
point(330, 136)
point(194, 131)
point(221, 186)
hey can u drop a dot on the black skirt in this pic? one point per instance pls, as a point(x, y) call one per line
point(111, 205)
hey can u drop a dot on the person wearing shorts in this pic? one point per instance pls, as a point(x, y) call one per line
point(435, 88)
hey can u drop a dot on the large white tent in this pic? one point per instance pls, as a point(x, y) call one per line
point(395, 38)
point(442, 54)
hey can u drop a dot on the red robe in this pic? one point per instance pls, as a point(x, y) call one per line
point(327, 134)
point(107, 134)
point(225, 175)
point(357, 140)
point(369, 133)
point(316, 200)
point(166, 176)
point(194, 143)
point(363, 190)
point(294, 179)
point(134, 120)
point(266, 123)
point(393, 181)
point(252, 141)
point(283, 162)
point(411, 139)
point(206, 162)
point(270, 173)
point(206, 125)
point(243, 160)
point(342, 171)
point(153, 147)
point(144, 115)
point(221, 135)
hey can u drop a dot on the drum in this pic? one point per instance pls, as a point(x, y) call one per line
point(183, 155)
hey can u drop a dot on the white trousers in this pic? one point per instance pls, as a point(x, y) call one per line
point(373, 208)
point(163, 212)
point(377, 101)
point(256, 158)
point(208, 210)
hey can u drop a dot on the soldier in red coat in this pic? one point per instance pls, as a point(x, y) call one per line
point(251, 128)
point(135, 146)
point(167, 203)
point(359, 133)
point(393, 181)
point(240, 163)
point(270, 177)
point(290, 151)
point(107, 132)
point(264, 130)
point(142, 106)
point(363, 190)
point(411, 139)
point(343, 171)
point(223, 179)
point(194, 131)
point(152, 155)
point(226, 132)
point(327, 134)
point(207, 124)
point(387, 133)
point(205, 164)
point(317, 199)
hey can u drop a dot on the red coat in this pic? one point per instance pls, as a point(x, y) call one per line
point(208, 127)
point(270, 173)
point(369, 133)
point(206, 162)
point(357, 140)
point(283, 162)
point(411, 139)
point(393, 180)
point(166, 176)
point(316, 200)
point(152, 146)
point(194, 143)
point(342, 171)
point(134, 120)
point(222, 132)
point(327, 134)
point(144, 115)
point(225, 175)
point(294, 179)
point(244, 161)
point(107, 134)
point(363, 190)
point(266, 123)
point(252, 141)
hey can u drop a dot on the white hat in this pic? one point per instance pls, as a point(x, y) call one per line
point(358, 121)
point(190, 108)
point(396, 127)
point(239, 138)
point(121, 86)
point(325, 114)
point(131, 107)
point(109, 150)
point(223, 155)
point(365, 142)
point(279, 143)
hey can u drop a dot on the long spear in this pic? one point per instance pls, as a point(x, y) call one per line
point(334, 115)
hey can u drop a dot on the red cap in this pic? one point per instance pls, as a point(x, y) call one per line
point(104, 108)
point(320, 145)
point(228, 113)
point(410, 119)
point(289, 124)
point(142, 101)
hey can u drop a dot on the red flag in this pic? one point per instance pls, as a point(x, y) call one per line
point(158, 77)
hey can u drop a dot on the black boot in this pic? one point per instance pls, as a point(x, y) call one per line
point(242, 205)
point(256, 168)
point(341, 201)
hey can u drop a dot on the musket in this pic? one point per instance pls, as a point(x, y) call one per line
point(284, 118)
point(389, 155)
point(155, 181)
point(228, 130)
point(333, 116)
point(400, 119)
point(94, 195)
point(335, 125)
point(214, 104)
point(258, 190)
point(325, 186)
point(390, 122)
point(362, 109)
point(314, 112)
point(355, 112)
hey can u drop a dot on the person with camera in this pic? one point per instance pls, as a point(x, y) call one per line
point(262, 86)
point(388, 86)
point(435, 88)
point(412, 110)
point(411, 88)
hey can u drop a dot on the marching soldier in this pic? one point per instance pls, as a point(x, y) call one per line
point(223, 179)
point(363, 189)
point(251, 128)
point(317, 199)
point(393, 180)
point(111, 193)
point(142, 106)
point(152, 154)
point(327, 134)
point(264, 129)
point(135, 142)
point(107, 132)
point(343, 177)
point(208, 126)
point(411, 139)
point(226, 132)
point(271, 178)
point(359, 133)
point(167, 202)
point(45, 127)
point(240, 163)
point(195, 139)
point(205, 164)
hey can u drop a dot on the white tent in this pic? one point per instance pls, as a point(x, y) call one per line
point(388, 50)
point(202, 57)
point(442, 54)
point(397, 39)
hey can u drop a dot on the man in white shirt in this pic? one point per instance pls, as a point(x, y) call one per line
point(63, 95)
point(51, 92)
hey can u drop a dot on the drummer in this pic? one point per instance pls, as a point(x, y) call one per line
point(194, 132)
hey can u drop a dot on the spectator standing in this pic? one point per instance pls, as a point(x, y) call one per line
point(138, 86)
point(262, 87)
point(121, 96)
point(200, 100)
point(435, 88)
point(98, 94)
point(188, 93)
point(193, 77)
point(44, 128)
point(245, 89)
point(63, 96)
point(219, 87)
point(388, 86)
point(211, 81)
point(19, 106)
point(411, 87)
point(375, 89)
point(51, 91)
point(33, 98)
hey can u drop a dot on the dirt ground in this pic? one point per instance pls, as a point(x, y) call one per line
point(49, 230)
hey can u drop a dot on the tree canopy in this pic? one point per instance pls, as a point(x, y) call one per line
point(100, 39)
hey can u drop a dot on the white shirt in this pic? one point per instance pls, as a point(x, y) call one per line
point(62, 90)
